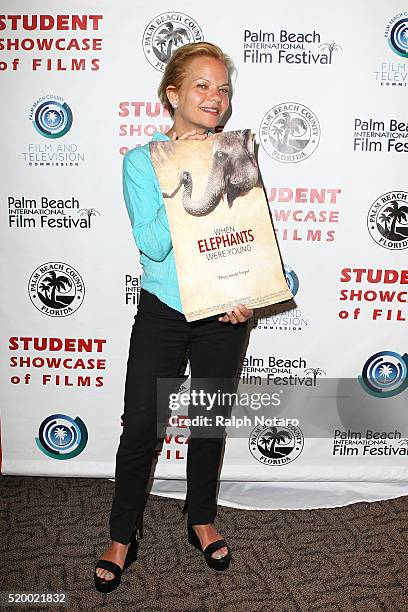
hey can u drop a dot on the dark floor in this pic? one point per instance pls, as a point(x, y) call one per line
point(53, 530)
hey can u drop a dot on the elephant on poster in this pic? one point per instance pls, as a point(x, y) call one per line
point(233, 173)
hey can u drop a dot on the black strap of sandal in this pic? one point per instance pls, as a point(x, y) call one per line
point(110, 566)
point(211, 548)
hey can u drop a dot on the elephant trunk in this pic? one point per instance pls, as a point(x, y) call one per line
point(208, 201)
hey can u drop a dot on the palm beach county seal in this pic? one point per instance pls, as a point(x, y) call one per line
point(56, 289)
point(387, 220)
point(276, 445)
point(289, 132)
point(165, 33)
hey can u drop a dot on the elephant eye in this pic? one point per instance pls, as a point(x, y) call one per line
point(221, 155)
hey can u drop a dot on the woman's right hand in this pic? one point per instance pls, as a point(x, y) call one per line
point(192, 135)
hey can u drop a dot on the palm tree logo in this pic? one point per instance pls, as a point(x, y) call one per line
point(287, 131)
point(168, 38)
point(55, 283)
point(277, 131)
point(44, 287)
point(387, 372)
point(60, 434)
point(314, 372)
point(268, 444)
point(330, 47)
point(52, 118)
point(385, 218)
point(394, 213)
point(89, 212)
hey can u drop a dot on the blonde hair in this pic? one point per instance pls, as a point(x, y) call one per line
point(175, 70)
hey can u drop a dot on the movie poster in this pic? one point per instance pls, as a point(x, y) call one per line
point(223, 239)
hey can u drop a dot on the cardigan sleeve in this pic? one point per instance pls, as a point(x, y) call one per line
point(146, 207)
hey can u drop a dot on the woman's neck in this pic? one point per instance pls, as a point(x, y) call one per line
point(174, 129)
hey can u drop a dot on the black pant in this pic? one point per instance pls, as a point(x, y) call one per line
point(158, 344)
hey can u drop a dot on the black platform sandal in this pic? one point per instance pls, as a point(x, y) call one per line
point(107, 586)
point(216, 564)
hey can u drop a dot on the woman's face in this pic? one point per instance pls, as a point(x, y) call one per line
point(203, 96)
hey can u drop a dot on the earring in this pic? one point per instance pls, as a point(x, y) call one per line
point(174, 105)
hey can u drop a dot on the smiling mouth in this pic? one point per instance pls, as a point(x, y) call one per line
point(210, 111)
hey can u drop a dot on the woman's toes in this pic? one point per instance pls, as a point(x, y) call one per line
point(104, 574)
point(220, 553)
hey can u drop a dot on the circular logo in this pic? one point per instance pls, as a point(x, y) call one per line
point(56, 289)
point(52, 119)
point(276, 445)
point(385, 374)
point(398, 37)
point(165, 33)
point(291, 279)
point(61, 437)
point(289, 132)
point(387, 220)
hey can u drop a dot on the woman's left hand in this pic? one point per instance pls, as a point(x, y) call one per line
point(239, 315)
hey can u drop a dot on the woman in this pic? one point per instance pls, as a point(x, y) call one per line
point(195, 89)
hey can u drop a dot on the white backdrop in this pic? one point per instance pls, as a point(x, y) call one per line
point(325, 92)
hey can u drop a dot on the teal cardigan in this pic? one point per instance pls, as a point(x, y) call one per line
point(147, 213)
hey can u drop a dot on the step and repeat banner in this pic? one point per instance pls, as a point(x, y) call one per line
point(325, 91)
